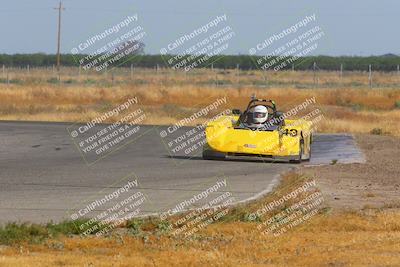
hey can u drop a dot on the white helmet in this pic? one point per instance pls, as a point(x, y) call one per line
point(260, 114)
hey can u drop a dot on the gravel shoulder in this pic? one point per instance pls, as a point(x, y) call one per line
point(375, 184)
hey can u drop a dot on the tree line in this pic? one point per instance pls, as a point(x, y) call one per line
point(244, 62)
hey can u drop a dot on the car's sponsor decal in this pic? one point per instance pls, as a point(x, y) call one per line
point(250, 146)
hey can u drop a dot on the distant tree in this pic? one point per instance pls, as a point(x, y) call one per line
point(386, 62)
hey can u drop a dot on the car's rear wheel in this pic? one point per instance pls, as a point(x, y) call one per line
point(209, 154)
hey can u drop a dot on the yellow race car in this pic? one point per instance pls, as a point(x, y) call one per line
point(259, 131)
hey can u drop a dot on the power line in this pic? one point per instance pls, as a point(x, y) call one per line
point(59, 8)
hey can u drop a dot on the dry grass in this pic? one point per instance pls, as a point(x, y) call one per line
point(346, 239)
point(345, 110)
point(347, 104)
point(168, 77)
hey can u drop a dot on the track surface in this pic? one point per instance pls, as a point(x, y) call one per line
point(43, 176)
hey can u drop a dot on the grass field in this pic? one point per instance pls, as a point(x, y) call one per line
point(348, 104)
point(330, 240)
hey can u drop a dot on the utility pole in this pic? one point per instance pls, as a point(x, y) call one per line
point(60, 9)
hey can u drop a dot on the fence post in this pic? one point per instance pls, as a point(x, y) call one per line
point(265, 77)
point(398, 71)
point(341, 71)
point(315, 74)
point(27, 68)
point(4, 70)
point(131, 71)
point(370, 76)
point(237, 74)
point(215, 76)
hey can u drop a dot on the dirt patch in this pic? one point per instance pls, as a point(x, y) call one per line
point(375, 184)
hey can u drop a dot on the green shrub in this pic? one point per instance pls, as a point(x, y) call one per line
point(134, 226)
point(13, 233)
point(66, 227)
point(356, 107)
point(69, 81)
point(222, 82)
point(251, 218)
point(164, 226)
point(334, 161)
point(377, 131)
point(53, 80)
point(90, 81)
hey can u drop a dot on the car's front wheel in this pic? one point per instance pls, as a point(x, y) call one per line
point(301, 152)
point(307, 157)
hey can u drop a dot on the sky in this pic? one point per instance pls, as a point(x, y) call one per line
point(350, 27)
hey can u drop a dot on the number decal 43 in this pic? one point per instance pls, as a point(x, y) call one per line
point(291, 132)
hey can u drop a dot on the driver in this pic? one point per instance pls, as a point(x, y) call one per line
point(260, 116)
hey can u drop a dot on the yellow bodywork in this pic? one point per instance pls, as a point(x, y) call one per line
point(221, 136)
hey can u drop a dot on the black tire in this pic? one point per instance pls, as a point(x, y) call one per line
point(309, 152)
point(300, 156)
point(213, 155)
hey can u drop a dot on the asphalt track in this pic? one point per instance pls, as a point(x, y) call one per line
point(44, 177)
